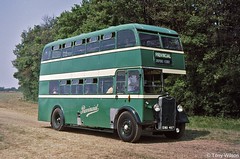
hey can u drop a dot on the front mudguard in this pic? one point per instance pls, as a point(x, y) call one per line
point(182, 117)
point(131, 111)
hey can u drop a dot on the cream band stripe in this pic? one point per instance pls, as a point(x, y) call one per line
point(100, 96)
point(95, 73)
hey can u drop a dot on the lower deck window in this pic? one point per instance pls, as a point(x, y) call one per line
point(105, 85)
point(54, 87)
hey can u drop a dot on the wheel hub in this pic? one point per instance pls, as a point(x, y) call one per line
point(59, 120)
point(126, 127)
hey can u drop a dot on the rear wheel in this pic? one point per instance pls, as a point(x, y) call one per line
point(57, 119)
point(127, 128)
point(178, 133)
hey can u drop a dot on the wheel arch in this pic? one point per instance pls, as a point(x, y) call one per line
point(132, 111)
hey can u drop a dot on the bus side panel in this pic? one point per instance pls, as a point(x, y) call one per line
point(46, 106)
point(68, 106)
point(94, 112)
point(43, 87)
point(89, 111)
point(44, 109)
point(135, 104)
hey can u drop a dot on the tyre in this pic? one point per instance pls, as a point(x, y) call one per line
point(127, 128)
point(178, 133)
point(57, 119)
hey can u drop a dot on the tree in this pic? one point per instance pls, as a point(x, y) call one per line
point(28, 54)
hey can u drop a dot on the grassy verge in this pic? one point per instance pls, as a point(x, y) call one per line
point(214, 128)
point(214, 123)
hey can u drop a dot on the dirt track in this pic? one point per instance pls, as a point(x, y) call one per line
point(22, 136)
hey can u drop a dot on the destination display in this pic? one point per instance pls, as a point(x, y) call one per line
point(163, 58)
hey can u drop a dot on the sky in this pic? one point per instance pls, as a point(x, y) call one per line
point(17, 16)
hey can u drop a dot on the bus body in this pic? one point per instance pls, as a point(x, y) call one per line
point(113, 79)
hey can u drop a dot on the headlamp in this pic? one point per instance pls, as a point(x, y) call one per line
point(179, 108)
point(157, 107)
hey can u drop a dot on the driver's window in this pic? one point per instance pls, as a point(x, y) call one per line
point(133, 81)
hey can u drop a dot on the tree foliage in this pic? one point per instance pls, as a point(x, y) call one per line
point(210, 35)
point(28, 54)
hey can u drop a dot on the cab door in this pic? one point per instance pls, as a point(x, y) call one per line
point(127, 89)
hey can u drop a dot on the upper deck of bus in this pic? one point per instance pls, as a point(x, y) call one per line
point(61, 56)
point(132, 26)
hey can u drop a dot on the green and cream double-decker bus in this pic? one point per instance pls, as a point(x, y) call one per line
point(113, 79)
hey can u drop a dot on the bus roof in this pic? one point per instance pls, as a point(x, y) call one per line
point(142, 27)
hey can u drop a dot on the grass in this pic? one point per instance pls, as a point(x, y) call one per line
point(214, 123)
point(214, 128)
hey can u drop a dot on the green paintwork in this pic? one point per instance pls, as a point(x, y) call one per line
point(136, 58)
point(101, 118)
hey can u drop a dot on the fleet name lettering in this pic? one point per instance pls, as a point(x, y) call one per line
point(90, 110)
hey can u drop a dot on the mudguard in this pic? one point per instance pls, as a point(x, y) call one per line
point(129, 109)
point(182, 117)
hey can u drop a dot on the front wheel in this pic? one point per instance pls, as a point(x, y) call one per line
point(57, 119)
point(127, 127)
point(178, 133)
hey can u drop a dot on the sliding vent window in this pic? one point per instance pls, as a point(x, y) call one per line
point(65, 86)
point(90, 86)
point(77, 86)
point(108, 41)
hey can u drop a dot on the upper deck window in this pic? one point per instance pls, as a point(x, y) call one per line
point(92, 44)
point(125, 38)
point(79, 47)
point(79, 42)
point(108, 36)
point(93, 39)
point(67, 49)
point(46, 54)
point(57, 52)
point(171, 43)
point(68, 44)
point(107, 42)
point(150, 40)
